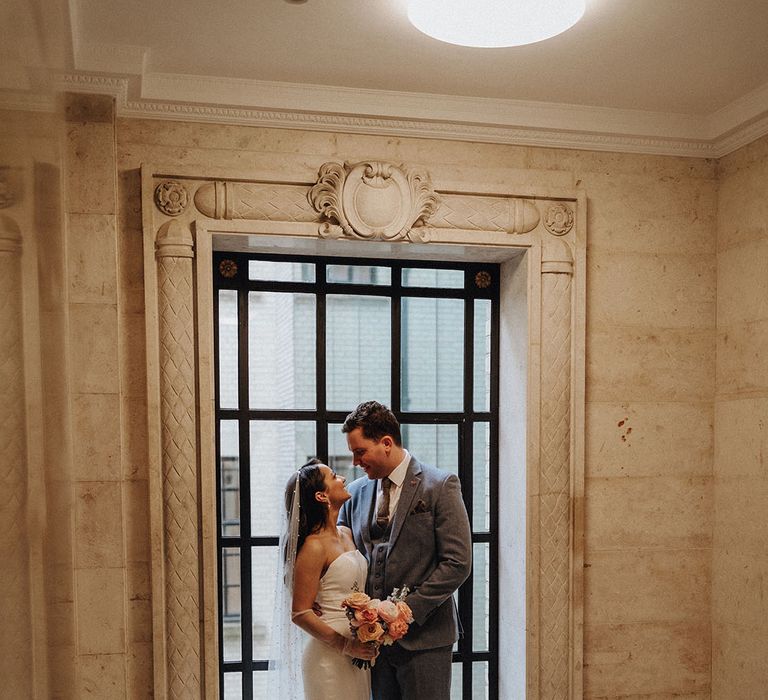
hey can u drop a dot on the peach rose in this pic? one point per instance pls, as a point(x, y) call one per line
point(370, 632)
point(368, 614)
point(405, 613)
point(388, 611)
point(397, 629)
point(356, 601)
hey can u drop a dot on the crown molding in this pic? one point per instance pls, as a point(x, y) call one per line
point(326, 108)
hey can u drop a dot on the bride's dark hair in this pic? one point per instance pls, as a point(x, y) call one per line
point(312, 513)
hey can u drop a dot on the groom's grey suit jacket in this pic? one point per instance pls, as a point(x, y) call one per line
point(429, 550)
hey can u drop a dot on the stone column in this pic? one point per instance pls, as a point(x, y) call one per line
point(15, 638)
point(181, 574)
point(555, 471)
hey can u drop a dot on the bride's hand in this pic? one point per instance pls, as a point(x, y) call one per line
point(360, 650)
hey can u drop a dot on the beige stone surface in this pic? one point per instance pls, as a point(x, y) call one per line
point(649, 439)
point(646, 659)
point(92, 258)
point(98, 525)
point(139, 675)
point(100, 598)
point(742, 283)
point(94, 350)
point(651, 290)
point(90, 172)
point(629, 585)
point(101, 676)
point(135, 457)
point(738, 662)
point(135, 500)
point(742, 445)
point(649, 364)
point(742, 359)
point(666, 511)
point(96, 451)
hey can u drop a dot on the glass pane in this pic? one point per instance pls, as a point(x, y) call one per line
point(432, 354)
point(456, 676)
point(263, 584)
point(358, 350)
point(228, 397)
point(281, 271)
point(480, 680)
point(233, 686)
point(481, 476)
point(481, 371)
point(260, 685)
point(230, 478)
point(278, 448)
point(230, 603)
point(437, 445)
point(339, 456)
point(434, 279)
point(281, 350)
point(359, 274)
point(481, 575)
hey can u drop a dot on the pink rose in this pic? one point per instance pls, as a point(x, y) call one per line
point(355, 601)
point(405, 613)
point(370, 613)
point(397, 629)
point(370, 632)
point(388, 611)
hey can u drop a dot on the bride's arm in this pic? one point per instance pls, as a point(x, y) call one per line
point(306, 581)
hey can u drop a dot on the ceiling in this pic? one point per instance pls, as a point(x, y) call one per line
point(666, 76)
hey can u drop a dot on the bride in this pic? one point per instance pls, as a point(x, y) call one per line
point(322, 567)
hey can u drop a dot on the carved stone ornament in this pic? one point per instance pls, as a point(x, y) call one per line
point(228, 268)
point(483, 279)
point(559, 220)
point(171, 197)
point(374, 200)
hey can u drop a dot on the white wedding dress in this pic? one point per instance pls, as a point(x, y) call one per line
point(327, 673)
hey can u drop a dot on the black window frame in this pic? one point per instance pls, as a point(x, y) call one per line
point(481, 281)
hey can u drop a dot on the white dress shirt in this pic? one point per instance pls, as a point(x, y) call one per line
point(396, 477)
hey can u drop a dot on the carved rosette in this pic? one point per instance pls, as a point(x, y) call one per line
point(16, 649)
point(555, 477)
point(558, 220)
point(171, 197)
point(174, 252)
point(373, 200)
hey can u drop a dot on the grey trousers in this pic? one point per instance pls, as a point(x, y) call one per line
point(400, 674)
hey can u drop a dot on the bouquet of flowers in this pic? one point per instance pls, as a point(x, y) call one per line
point(381, 622)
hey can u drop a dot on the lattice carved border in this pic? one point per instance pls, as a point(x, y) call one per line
point(366, 201)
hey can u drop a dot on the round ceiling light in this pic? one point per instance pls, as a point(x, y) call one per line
point(494, 23)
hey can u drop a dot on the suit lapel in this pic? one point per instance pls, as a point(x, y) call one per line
point(411, 485)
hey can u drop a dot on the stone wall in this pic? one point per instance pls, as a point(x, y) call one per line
point(650, 389)
point(740, 543)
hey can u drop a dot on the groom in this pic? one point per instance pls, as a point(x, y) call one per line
point(409, 520)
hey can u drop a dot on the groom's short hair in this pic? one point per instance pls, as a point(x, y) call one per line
point(375, 420)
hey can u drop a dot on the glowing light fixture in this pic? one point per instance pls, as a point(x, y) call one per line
point(494, 23)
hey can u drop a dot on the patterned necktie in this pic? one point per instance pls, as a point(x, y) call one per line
point(382, 515)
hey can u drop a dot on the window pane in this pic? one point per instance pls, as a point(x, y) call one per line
point(358, 274)
point(230, 603)
point(233, 686)
point(263, 582)
point(281, 350)
point(229, 467)
point(434, 279)
point(432, 354)
point(456, 676)
point(278, 448)
point(259, 685)
point(228, 397)
point(480, 680)
point(358, 350)
point(437, 445)
point(481, 371)
point(278, 271)
point(481, 476)
point(481, 575)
